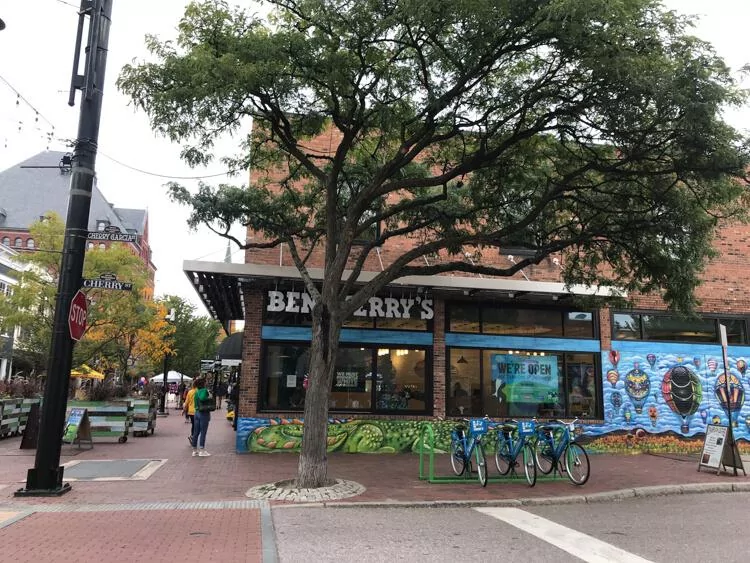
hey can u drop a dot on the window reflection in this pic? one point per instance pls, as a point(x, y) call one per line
point(352, 380)
point(401, 380)
point(463, 397)
point(285, 370)
point(518, 383)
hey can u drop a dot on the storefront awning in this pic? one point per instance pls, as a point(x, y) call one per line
point(220, 285)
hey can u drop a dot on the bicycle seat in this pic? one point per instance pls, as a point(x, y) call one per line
point(460, 428)
point(547, 428)
point(508, 428)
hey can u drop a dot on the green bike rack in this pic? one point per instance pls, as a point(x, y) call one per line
point(427, 437)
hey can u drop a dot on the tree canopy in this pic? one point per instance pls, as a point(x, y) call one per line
point(590, 128)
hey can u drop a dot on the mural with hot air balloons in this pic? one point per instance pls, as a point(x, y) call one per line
point(669, 387)
point(682, 392)
point(637, 386)
point(731, 399)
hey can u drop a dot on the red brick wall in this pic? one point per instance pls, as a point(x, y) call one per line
point(326, 143)
point(251, 344)
point(438, 358)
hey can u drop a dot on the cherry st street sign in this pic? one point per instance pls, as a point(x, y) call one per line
point(107, 281)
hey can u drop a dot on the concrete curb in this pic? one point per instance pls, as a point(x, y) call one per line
point(607, 496)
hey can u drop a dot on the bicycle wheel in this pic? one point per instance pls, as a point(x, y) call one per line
point(502, 457)
point(481, 465)
point(543, 456)
point(576, 464)
point(529, 464)
point(458, 460)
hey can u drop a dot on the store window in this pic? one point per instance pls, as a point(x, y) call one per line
point(522, 384)
point(366, 379)
point(626, 327)
point(6, 241)
point(671, 328)
point(30, 243)
point(507, 320)
point(352, 380)
point(736, 330)
point(18, 242)
point(285, 368)
point(401, 380)
point(464, 394)
point(675, 329)
point(402, 324)
point(463, 317)
point(582, 385)
point(578, 324)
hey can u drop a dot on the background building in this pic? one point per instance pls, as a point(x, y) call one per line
point(41, 184)
point(9, 268)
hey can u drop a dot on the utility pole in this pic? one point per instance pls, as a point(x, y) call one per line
point(46, 477)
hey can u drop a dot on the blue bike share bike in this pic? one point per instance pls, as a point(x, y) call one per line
point(514, 450)
point(556, 448)
point(463, 445)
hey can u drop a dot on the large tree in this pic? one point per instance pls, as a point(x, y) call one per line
point(589, 129)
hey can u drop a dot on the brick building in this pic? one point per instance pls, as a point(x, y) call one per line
point(41, 184)
point(465, 345)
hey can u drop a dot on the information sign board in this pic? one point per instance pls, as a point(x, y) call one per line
point(77, 427)
point(716, 454)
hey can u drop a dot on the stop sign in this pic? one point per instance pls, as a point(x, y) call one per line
point(77, 316)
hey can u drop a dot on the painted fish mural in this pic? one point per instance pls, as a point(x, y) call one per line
point(682, 391)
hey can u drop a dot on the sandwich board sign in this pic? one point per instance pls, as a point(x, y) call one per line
point(78, 427)
point(716, 452)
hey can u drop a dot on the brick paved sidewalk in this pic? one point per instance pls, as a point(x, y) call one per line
point(227, 476)
point(127, 536)
point(194, 509)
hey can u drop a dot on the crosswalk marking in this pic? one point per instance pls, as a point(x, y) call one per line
point(576, 543)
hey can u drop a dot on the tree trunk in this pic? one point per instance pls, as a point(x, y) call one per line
point(313, 461)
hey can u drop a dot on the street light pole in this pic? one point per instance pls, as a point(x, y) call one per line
point(163, 401)
point(46, 477)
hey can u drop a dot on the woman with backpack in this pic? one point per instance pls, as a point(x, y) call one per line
point(204, 404)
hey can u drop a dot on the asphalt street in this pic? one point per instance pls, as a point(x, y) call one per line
point(686, 528)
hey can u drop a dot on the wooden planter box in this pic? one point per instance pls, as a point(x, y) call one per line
point(111, 419)
point(13, 416)
point(144, 416)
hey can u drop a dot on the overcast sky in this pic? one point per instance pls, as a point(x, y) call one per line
point(36, 52)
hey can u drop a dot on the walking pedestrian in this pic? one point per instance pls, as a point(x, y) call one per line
point(189, 409)
point(204, 404)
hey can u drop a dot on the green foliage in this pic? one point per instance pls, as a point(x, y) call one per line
point(194, 337)
point(589, 128)
point(113, 316)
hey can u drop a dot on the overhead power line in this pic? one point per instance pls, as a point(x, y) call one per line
point(168, 176)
